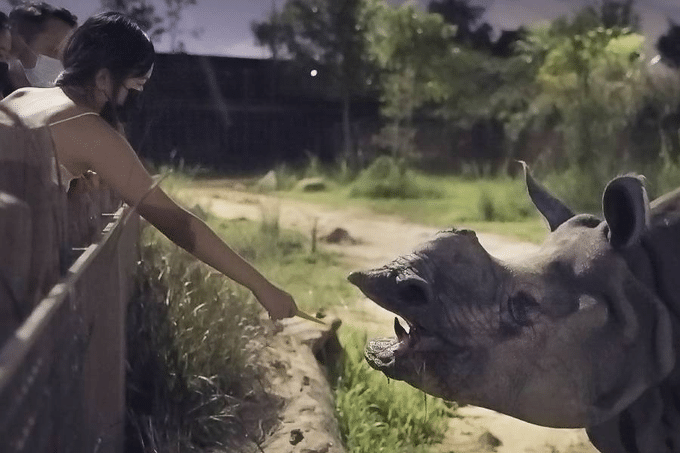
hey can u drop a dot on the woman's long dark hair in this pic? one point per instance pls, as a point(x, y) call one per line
point(106, 41)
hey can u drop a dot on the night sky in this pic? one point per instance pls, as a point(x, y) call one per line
point(226, 23)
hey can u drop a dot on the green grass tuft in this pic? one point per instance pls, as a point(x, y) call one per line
point(376, 415)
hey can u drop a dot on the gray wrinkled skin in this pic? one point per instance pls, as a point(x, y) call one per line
point(582, 333)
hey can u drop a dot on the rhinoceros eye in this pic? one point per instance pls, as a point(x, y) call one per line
point(519, 308)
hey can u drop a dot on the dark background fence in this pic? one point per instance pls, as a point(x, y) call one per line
point(240, 114)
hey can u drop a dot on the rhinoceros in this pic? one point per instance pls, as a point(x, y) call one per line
point(582, 333)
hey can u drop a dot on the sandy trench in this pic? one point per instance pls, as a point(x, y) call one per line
point(381, 239)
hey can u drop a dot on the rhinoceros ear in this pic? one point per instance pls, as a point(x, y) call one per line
point(554, 211)
point(626, 209)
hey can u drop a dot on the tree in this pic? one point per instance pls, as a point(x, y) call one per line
point(465, 17)
point(271, 33)
point(174, 10)
point(327, 36)
point(145, 14)
point(589, 80)
point(619, 14)
point(414, 52)
point(668, 46)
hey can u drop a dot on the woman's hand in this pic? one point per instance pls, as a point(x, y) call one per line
point(88, 182)
point(277, 302)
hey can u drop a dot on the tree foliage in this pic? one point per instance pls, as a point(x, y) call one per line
point(141, 11)
point(668, 45)
point(413, 50)
point(582, 75)
point(588, 80)
point(466, 17)
point(155, 24)
point(320, 34)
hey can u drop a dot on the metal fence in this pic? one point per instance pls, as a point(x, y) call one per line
point(62, 372)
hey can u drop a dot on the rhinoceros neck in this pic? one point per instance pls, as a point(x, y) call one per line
point(662, 244)
point(651, 424)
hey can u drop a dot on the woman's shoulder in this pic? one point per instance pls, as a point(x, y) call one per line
point(37, 107)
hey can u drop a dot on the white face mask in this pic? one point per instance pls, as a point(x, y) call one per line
point(45, 72)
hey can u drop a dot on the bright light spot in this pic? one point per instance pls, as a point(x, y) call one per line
point(655, 60)
point(313, 72)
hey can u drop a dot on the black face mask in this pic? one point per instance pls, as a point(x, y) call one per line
point(4, 78)
point(122, 113)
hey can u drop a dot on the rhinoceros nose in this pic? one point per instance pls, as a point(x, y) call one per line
point(373, 283)
point(403, 288)
point(357, 278)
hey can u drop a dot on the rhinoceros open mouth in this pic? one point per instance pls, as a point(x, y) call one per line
point(392, 355)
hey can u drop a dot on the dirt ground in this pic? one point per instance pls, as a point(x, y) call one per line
point(378, 240)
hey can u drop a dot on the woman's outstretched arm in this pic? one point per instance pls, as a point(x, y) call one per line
point(88, 143)
point(193, 235)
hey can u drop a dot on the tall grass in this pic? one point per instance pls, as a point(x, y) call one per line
point(193, 339)
point(380, 416)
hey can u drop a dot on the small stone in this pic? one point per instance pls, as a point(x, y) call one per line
point(296, 437)
point(311, 185)
point(339, 236)
point(490, 440)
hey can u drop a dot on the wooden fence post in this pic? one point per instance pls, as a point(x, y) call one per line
point(15, 242)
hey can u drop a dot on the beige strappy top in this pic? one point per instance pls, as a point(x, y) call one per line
point(64, 177)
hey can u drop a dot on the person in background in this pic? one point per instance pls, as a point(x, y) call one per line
point(39, 33)
point(5, 52)
point(107, 62)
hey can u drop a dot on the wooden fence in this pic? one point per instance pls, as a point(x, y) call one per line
point(62, 371)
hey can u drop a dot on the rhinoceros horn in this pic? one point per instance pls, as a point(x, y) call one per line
point(554, 211)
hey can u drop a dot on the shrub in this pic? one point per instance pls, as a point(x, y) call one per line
point(388, 178)
point(579, 189)
point(500, 201)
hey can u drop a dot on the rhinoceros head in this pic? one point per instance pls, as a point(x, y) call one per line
point(565, 337)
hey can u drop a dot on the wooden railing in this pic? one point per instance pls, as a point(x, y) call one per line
point(62, 386)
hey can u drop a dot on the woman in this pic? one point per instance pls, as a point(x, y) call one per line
point(107, 60)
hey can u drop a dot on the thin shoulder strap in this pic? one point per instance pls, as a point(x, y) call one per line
point(72, 118)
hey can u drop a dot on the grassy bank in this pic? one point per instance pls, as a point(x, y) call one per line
point(193, 342)
point(194, 338)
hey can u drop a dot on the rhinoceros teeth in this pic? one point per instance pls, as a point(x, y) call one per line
point(399, 330)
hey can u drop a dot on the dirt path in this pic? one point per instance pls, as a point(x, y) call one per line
point(380, 239)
